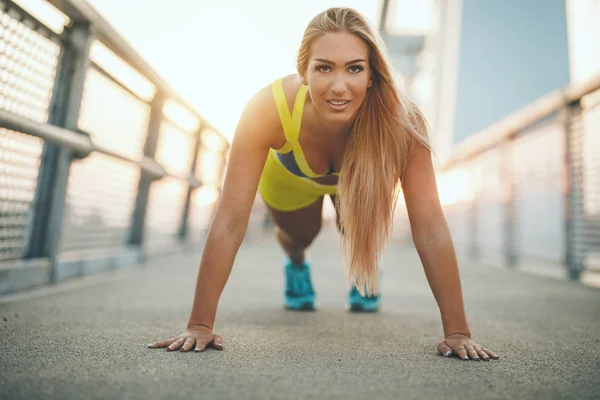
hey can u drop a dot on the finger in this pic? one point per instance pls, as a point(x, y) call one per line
point(472, 353)
point(200, 346)
point(462, 353)
point(175, 345)
point(482, 353)
point(218, 342)
point(491, 353)
point(188, 345)
point(163, 343)
point(444, 349)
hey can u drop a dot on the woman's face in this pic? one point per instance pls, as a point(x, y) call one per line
point(338, 75)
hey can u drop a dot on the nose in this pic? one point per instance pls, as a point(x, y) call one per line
point(338, 86)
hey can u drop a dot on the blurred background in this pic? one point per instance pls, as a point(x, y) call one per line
point(116, 119)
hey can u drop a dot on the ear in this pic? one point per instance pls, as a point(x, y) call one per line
point(303, 80)
point(370, 83)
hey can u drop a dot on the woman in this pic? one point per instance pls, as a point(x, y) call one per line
point(338, 127)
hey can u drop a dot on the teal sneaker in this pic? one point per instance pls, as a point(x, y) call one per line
point(299, 293)
point(358, 303)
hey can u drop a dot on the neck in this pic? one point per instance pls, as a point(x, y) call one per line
point(331, 129)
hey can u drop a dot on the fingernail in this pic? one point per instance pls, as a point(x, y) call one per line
point(182, 349)
point(448, 353)
point(196, 349)
point(477, 357)
point(150, 345)
point(466, 357)
point(169, 348)
point(219, 346)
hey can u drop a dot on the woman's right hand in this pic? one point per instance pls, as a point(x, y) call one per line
point(195, 338)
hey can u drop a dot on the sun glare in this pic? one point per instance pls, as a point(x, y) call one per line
point(206, 195)
point(456, 185)
point(181, 117)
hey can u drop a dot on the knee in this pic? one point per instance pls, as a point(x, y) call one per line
point(306, 240)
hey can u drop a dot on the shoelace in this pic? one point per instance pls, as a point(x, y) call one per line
point(298, 282)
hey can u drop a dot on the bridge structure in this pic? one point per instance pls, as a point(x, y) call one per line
point(108, 179)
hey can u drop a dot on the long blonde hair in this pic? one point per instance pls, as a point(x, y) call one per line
point(386, 129)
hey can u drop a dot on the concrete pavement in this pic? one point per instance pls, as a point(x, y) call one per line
point(86, 339)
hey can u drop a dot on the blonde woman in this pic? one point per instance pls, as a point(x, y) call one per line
point(340, 128)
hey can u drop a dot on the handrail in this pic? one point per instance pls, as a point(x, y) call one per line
point(79, 10)
point(78, 143)
point(518, 120)
point(82, 145)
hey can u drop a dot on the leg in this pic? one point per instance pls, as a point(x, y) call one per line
point(296, 230)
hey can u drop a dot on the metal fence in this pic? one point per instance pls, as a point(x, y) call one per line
point(95, 170)
point(525, 193)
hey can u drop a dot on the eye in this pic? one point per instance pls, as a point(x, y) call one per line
point(355, 69)
point(323, 68)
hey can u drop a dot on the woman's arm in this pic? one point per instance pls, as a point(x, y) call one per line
point(256, 132)
point(251, 143)
point(434, 244)
point(433, 241)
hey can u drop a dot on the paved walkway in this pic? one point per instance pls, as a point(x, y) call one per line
point(86, 339)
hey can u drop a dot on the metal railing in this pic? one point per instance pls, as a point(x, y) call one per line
point(525, 193)
point(90, 165)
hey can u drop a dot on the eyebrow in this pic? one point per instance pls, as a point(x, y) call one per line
point(332, 63)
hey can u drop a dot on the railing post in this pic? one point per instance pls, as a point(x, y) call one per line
point(48, 206)
point(138, 219)
point(184, 225)
point(572, 262)
point(508, 205)
point(383, 16)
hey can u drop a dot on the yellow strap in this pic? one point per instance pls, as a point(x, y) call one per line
point(287, 147)
point(298, 110)
point(291, 124)
point(282, 108)
point(302, 163)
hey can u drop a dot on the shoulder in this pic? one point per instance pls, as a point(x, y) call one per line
point(260, 113)
point(409, 112)
point(264, 101)
point(291, 85)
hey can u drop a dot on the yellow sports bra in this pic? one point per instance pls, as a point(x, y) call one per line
point(291, 155)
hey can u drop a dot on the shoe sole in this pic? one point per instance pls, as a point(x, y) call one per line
point(304, 303)
point(360, 308)
point(300, 307)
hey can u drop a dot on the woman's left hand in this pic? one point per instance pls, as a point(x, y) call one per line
point(465, 348)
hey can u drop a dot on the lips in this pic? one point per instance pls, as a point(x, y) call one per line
point(338, 104)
